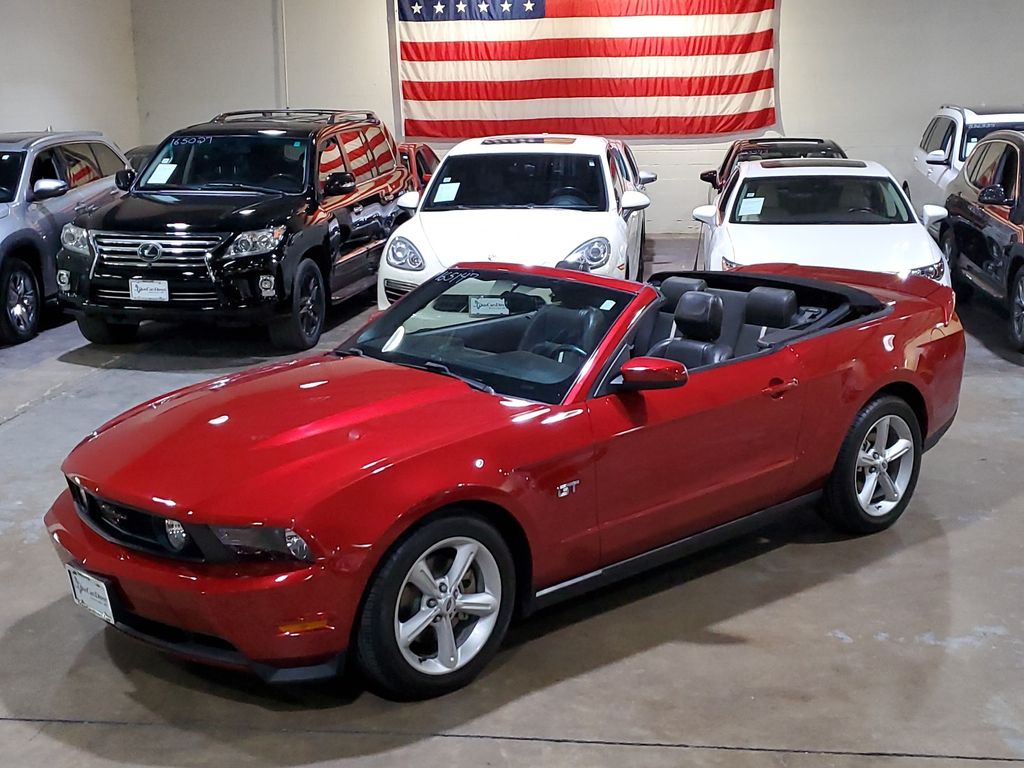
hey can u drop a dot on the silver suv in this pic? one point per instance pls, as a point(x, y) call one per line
point(46, 180)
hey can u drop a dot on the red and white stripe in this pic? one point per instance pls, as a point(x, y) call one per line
point(610, 67)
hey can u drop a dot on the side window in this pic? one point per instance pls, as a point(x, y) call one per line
point(723, 201)
point(944, 133)
point(620, 162)
point(617, 185)
point(726, 170)
point(82, 166)
point(927, 134)
point(360, 160)
point(988, 165)
point(382, 149)
point(974, 162)
point(1007, 173)
point(109, 162)
point(46, 166)
point(425, 164)
point(330, 161)
point(634, 168)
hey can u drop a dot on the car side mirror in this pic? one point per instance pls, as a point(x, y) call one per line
point(932, 214)
point(994, 194)
point(339, 183)
point(706, 214)
point(643, 373)
point(936, 157)
point(710, 177)
point(44, 189)
point(648, 177)
point(408, 201)
point(123, 179)
point(635, 201)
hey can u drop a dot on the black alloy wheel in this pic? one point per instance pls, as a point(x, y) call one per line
point(301, 328)
point(22, 302)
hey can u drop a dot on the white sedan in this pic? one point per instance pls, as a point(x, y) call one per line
point(524, 199)
point(828, 213)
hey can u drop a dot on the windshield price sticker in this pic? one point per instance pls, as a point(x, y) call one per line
point(487, 306)
point(191, 140)
point(455, 276)
point(446, 191)
point(751, 206)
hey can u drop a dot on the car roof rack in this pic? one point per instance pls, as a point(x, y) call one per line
point(786, 140)
point(331, 116)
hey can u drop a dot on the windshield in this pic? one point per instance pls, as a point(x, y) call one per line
point(979, 131)
point(519, 181)
point(10, 173)
point(519, 335)
point(784, 151)
point(820, 200)
point(261, 163)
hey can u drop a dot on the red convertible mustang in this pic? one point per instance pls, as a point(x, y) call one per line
point(501, 438)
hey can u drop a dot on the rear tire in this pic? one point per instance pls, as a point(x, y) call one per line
point(951, 250)
point(301, 328)
point(416, 594)
point(21, 303)
point(1016, 309)
point(99, 331)
point(877, 468)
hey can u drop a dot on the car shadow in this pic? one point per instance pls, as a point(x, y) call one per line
point(987, 321)
point(165, 347)
point(52, 317)
point(111, 678)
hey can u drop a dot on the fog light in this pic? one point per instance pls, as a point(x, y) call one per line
point(64, 279)
point(267, 285)
point(176, 534)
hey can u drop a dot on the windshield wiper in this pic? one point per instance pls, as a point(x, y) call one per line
point(446, 371)
point(239, 185)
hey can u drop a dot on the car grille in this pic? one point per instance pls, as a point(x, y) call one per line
point(184, 252)
point(123, 296)
point(128, 526)
point(395, 289)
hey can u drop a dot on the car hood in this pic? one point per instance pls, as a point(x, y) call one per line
point(535, 236)
point(203, 211)
point(891, 248)
point(294, 432)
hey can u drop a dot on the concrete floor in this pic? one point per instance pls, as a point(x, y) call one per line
point(794, 647)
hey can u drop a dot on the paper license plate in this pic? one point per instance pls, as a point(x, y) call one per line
point(149, 290)
point(90, 593)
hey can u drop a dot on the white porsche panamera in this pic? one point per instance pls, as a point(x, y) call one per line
point(537, 199)
point(822, 212)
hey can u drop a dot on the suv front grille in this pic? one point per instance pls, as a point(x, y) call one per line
point(175, 252)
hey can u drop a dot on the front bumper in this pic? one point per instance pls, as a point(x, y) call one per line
point(229, 291)
point(217, 615)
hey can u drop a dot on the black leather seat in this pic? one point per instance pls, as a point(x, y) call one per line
point(554, 326)
point(767, 308)
point(659, 325)
point(698, 318)
point(734, 306)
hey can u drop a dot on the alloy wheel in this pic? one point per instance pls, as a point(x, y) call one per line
point(885, 465)
point(448, 606)
point(1017, 308)
point(22, 301)
point(311, 305)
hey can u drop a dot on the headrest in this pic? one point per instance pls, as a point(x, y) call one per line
point(672, 288)
point(771, 307)
point(578, 266)
point(699, 316)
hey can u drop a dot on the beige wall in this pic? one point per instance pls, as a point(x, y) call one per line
point(69, 65)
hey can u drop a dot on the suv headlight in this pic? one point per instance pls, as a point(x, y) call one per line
point(75, 239)
point(932, 271)
point(256, 242)
point(404, 255)
point(729, 266)
point(261, 543)
point(594, 253)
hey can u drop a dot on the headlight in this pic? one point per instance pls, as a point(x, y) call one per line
point(256, 242)
point(932, 271)
point(404, 255)
point(594, 253)
point(264, 543)
point(728, 266)
point(75, 239)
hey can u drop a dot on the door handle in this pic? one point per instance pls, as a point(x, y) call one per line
point(778, 388)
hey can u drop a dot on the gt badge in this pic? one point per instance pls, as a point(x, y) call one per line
point(566, 489)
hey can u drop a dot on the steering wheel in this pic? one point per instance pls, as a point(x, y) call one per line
point(569, 192)
point(287, 177)
point(556, 352)
point(861, 210)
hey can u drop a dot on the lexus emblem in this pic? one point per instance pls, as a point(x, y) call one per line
point(150, 251)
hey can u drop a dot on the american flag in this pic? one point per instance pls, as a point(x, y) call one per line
point(605, 67)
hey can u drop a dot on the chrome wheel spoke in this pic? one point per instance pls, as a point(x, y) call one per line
point(865, 460)
point(464, 556)
point(881, 435)
point(413, 628)
point(478, 604)
point(892, 493)
point(421, 578)
point(867, 493)
point(447, 650)
point(898, 450)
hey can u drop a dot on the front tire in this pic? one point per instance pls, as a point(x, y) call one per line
point(21, 303)
point(1016, 308)
point(951, 250)
point(301, 328)
point(877, 468)
point(437, 610)
point(99, 331)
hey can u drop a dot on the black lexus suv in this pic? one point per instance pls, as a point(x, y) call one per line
point(256, 217)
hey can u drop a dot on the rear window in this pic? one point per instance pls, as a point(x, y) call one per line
point(975, 133)
point(820, 200)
